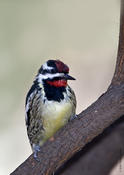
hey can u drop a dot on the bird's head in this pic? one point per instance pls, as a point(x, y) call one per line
point(54, 73)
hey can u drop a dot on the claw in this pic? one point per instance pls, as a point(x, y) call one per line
point(36, 157)
point(36, 149)
point(73, 117)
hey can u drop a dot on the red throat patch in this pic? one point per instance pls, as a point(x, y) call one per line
point(58, 83)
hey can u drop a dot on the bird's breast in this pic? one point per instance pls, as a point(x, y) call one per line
point(55, 115)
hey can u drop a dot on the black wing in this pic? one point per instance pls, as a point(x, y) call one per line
point(29, 101)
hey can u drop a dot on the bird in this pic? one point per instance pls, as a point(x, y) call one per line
point(50, 103)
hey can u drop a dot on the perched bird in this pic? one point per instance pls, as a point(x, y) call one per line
point(50, 103)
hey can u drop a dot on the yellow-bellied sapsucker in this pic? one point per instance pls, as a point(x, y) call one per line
point(50, 103)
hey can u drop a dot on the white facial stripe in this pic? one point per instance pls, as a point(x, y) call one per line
point(50, 76)
point(45, 66)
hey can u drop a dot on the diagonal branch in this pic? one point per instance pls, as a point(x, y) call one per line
point(99, 156)
point(74, 136)
point(89, 124)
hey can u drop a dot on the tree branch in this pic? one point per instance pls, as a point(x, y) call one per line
point(100, 155)
point(89, 124)
point(74, 136)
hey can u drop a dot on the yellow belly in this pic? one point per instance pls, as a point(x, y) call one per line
point(55, 115)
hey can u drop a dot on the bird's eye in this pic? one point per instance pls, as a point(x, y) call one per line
point(44, 71)
point(52, 71)
point(48, 71)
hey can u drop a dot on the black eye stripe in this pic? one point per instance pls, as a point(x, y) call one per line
point(53, 71)
point(46, 71)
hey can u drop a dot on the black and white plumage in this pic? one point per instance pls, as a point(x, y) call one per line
point(50, 103)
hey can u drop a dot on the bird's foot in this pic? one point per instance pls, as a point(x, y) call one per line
point(73, 117)
point(36, 149)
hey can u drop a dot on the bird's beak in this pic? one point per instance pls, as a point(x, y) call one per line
point(68, 77)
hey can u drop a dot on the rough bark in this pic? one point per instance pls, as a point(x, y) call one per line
point(100, 156)
point(89, 124)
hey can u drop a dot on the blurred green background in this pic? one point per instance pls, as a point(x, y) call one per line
point(82, 33)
